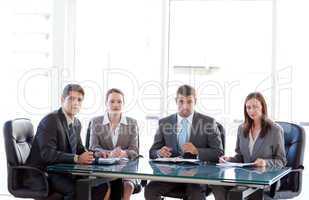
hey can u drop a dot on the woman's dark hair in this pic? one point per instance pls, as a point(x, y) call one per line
point(265, 121)
point(113, 90)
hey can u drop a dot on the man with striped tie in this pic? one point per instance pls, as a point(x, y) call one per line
point(57, 140)
point(184, 133)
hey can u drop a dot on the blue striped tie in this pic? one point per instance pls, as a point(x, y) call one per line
point(72, 138)
point(183, 134)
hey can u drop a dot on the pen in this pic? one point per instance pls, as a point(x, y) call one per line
point(222, 159)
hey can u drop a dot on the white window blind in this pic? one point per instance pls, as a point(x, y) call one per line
point(26, 58)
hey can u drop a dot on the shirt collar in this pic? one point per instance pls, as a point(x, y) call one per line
point(69, 120)
point(123, 119)
point(189, 118)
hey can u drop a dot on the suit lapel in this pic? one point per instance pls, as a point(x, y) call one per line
point(107, 135)
point(174, 126)
point(245, 148)
point(193, 127)
point(173, 134)
point(257, 147)
point(120, 139)
point(64, 124)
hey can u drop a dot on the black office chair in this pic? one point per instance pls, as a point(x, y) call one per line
point(179, 192)
point(18, 136)
point(222, 134)
point(137, 184)
point(294, 139)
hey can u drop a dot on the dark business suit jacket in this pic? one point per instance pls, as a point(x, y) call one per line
point(51, 144)
point(204, 135)
point(270, 147)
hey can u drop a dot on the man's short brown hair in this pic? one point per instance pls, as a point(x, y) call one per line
point(72, 87)
point(186, 90)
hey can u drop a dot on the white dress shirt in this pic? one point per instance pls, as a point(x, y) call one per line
point(252, 141)
point(69, 120)
point(114, 132)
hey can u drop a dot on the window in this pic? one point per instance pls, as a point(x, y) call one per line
point(223, 49)
point(118, 44)
point(26, 63)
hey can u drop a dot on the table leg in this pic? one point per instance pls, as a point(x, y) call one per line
point(259, 194)
point(83, 189)
point(239, 193)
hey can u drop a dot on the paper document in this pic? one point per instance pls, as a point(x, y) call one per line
point(109, 161)
point(233, 164)
point(176, 160)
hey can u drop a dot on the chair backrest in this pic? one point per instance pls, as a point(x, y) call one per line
point(18, 136)
point(87, 142)
point(222, 134)
point(294, 139)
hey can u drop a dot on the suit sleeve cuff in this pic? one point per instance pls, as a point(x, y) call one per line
point(76, 157)
point(158, 154)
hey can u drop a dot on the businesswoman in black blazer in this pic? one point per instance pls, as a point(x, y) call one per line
point(259, 140)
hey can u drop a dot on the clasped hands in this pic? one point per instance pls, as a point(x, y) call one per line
point(166, 152)
point(88, 156)
point(116, 153)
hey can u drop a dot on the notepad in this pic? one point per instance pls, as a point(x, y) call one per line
point(233, 164)
point(176, 160)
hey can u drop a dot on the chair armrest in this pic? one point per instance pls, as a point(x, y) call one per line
point(30, 169)
point(298, 169)
point(143, 183)
point(40, 173)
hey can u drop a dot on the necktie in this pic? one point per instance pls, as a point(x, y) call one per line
point(72, 138)
point(183, 134)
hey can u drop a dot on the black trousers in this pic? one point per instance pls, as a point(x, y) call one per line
point(156, 189)
point(65, 185)
point(116, 189)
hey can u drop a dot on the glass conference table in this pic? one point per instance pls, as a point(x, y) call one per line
point(254, 179)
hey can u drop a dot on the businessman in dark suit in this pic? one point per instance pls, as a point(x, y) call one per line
point(58, 141)
point(186, 133)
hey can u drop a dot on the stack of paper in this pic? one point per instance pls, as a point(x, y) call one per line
point(176, 160)
point(233, 164)
point(109, 161)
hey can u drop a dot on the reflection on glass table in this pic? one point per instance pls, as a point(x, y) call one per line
point(201, 173)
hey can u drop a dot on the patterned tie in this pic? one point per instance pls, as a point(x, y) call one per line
point(183, 134)
point(72, 138)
